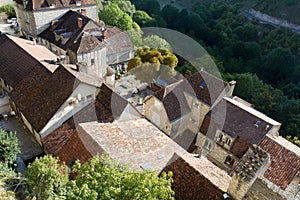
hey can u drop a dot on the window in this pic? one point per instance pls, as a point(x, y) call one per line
point(92, 61)
point(220, 137)
point(229, 160)
point(228, 141)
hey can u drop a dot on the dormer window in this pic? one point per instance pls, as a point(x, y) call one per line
point(220, 137)
point(78, 3)
point(202, 84)
point(52, 5)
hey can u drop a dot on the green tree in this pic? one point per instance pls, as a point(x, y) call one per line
point(8, 10)
point(112, 15)
point(148, 55)
point(103, 178)
point(279, 65)
point(47, 178)
point(154, 41)
point(143, 19)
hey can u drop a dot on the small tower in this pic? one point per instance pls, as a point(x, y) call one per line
point(252, 165)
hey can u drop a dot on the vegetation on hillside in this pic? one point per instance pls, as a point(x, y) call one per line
point(99, 178)
point(263, 59)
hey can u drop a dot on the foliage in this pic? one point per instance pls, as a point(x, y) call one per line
point(9, 147)
point(47, 178)
point(143, 19)
point(103, 178)
point(294, 140)
point(154, 41)
point(9, 10)
point(279, 65)
point(4, 194)
point(112, 15)
point(99, 178)
point(145, 56)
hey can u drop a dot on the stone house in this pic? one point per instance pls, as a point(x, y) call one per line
point(91, 45)
point(142, 146)
point(179, 109)
point(281, 179)
point(41, 93)
point(34, 16)
point(230, 128)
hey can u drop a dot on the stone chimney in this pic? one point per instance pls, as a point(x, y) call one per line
point(251, 166)
point(79, 22)
point(231, 87)
point(103, 32)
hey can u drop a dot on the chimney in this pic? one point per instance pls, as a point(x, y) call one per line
point(231, 87)
point(103, 32)
point(79, 22)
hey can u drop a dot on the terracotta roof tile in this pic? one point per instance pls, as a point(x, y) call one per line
point(285, 160)
point(197, 178)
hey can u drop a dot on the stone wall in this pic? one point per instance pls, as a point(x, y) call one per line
point(260, 191)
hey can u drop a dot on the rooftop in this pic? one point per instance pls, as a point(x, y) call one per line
point(236, 119)
point(137, 143)
point(37, 51)
point(285, 160)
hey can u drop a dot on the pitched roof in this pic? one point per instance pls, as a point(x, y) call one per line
point(66, 34)
point(137, 143)
point(13, 69)
point(197, 178)
point(206, 87)
point(45, 4)
point(173, 99)
point(40, 94)
point(236, 119)
point(107, 107)
point(201, 85)
point(285, 160)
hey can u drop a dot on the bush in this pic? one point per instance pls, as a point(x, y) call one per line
point(9, 147)
point(9, 10)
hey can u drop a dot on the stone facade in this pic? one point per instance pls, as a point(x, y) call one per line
point(253, 164)
point(33, 22)
point(154, 111)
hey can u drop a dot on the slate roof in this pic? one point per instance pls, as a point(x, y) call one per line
point(236, 119)
point(285, 160)
point(16, 61)
point(41, 94)
point(45, 4)
point(68, 24)
point(88, 37)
